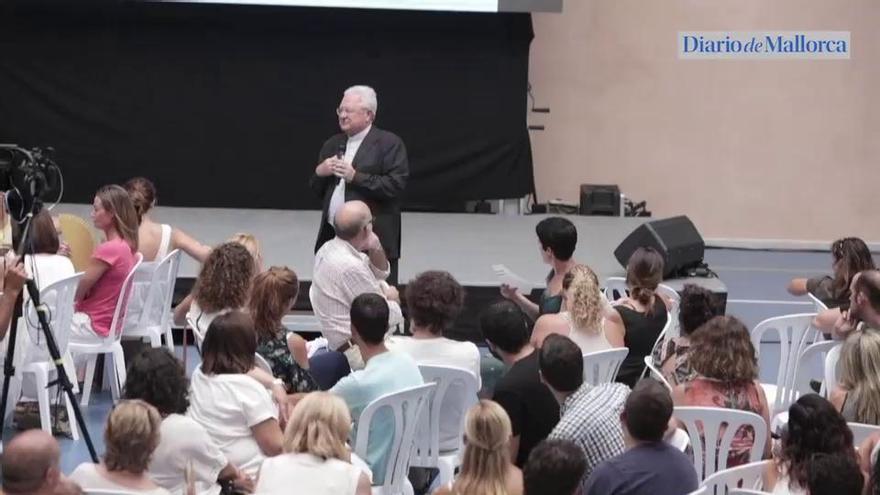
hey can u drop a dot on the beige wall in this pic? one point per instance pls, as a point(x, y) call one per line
point(748, 149)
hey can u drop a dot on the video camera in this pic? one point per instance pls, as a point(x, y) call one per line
point(27, 176)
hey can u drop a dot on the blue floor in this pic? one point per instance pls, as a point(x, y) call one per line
point(756, 282)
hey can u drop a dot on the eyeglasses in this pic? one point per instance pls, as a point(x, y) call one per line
point(347, 111)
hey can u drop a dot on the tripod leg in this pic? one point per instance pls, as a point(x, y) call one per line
point(71, 418)
point(42, 380)
point(14, 395)
point(70, 369)
point(90, 376)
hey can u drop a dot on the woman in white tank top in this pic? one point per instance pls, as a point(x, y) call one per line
point(583, 316)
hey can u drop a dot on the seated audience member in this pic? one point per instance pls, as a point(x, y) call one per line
point(557, 238)
point(835, 475)
point(158, 378)
point(234, 408)
point(857, 397)
point(384, 373)
point(130, 437)
point(156, 240)
point(850, 255)
point(250, 242)
point(814, 427)
point(590, 415)
point(583, 316)
point(224, 284)
point(650, 465)
point(864, 305)
point(41, 259)
point(100, 287)
point(485, 466)
point(31, 466)
point(643, 314)
point(343, 272)
point(317, 459)
point(273, 295)
point(554, 466)
point(434, 299)
point(532, 409)
point(697, 306)
point(724, 360)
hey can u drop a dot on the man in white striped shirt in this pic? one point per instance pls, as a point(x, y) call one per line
point(343, 272)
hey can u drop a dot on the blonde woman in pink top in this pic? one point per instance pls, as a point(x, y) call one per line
point(99, 289)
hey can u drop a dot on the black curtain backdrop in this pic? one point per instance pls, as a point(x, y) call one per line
point(228, 106)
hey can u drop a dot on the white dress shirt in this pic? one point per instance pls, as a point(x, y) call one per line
point(341, 274)
point(338, 197)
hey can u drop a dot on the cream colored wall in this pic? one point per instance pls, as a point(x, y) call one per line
point(748, 149)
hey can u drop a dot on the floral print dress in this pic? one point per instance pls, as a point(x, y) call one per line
point(276, 352)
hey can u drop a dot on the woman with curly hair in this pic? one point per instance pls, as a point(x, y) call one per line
point(158, 378)
point(857, 397)
point(814, 427)
point(434, 300)
point(583, 316)
point(723, 358)
point(485, 466)
point(697, 306)
point(130, 437)
point(273, 295)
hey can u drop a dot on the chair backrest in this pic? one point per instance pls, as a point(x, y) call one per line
point(78, 235)
point(261, 363)
point(458, 380)
point(862, 431)
point(712, 431)
point(197, 333)
point(117, 324)
point(156, 305)
point(832, 377)
point(748, 476)
point(813, 352)
point(656, 373)
point(406, 407)
point(615, 288)
point(700, 491)
point(674, 299)
point(795, 334)
point(59, 300)
point(602, 366)
point(818, 305)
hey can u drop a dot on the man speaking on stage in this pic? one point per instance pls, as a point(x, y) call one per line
point(363, 163)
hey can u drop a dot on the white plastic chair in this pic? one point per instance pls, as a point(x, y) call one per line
point(406, 407)
point(748, 476)
point(157, 292)
point(795, 334)
point(58, 298)
point(818, 305)
point(660, 338)
point(615, 288)
point(109, 346)
point(456, 392)
point(712, 447)
point(656, 373)
point(861, 431)
point(197, 333)
point(832, 376)
point(814, 352)
point(602, 366)
point(700, 491)
point(261, 363)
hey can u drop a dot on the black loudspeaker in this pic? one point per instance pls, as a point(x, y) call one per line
point(675, 238)
point(600, 200)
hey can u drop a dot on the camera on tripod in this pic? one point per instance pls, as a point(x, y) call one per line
point(28, 176)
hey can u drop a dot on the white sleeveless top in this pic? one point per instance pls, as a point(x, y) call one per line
point(309, 474)
point(164, 242)
point(587, 340)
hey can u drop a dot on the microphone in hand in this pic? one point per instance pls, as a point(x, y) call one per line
point(340, 154)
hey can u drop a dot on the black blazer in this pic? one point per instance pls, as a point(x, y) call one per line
point(381, 170)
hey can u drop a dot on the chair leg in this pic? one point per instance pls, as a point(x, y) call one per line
point(447, 470)
point(70, 370)
point(169, 339)
point(42, 381)
point(90, 376)
point(117, 379)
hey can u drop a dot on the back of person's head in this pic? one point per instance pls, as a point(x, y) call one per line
point(30, 463)
point(434, 300)
point(562, 363)
point(487, 432)
point(851, 255)
point(42, 238)
point(369, 317)
point(131, 436)
point(157, 377)
point(722, 350)
point(229, 345)
point(814, 427)
point(834, 475)
point(504, 325)
point(583, 298)
point(250, 242)
point(647, 411)
point(696, 307)
point(867, 285)
point(143, 195)
point(225, 279)
point(558, 235)
point(860, 374)
point(351, 219)
point(554, 466)
point(273, 293)
point(319, 425)
point(116, 201)
point(644, 272)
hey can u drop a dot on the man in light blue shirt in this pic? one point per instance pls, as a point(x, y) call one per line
point(385, 372)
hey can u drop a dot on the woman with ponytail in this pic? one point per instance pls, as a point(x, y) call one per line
point(316, 458)
point(857, 397)
point(485, 466)
point(643, 314)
